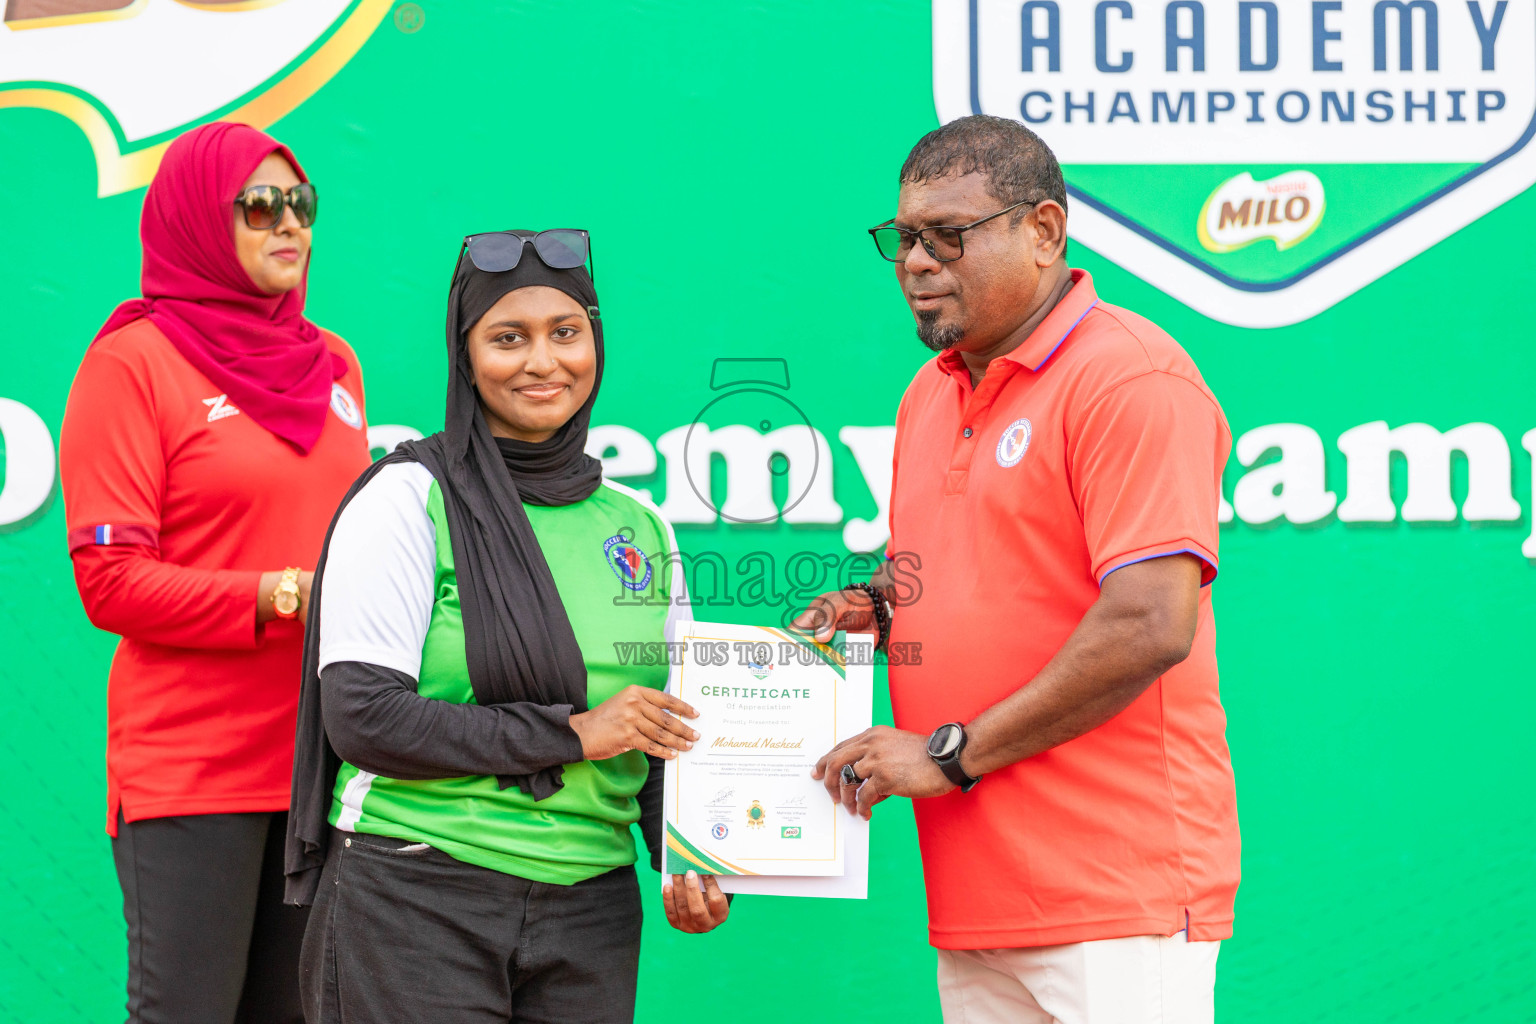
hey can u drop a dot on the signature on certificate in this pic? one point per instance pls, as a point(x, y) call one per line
point(722, 796)
point(795, 801)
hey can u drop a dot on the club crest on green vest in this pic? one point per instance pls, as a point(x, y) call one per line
point(1259, 161)
point(628, 562)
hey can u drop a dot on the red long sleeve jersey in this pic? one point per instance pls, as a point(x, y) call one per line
point(176, 503)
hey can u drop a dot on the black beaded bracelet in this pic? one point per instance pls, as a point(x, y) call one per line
point(882, 616)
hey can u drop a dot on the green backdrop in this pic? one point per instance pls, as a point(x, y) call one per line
point(727, 159)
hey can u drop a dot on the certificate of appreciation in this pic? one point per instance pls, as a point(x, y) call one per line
point(770, 701)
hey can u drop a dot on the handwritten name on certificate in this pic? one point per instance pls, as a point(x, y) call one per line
point(770, 702)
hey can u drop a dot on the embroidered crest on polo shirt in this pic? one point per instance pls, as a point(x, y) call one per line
point(628, 562)
point(219, 408)
point(345, 407)
point(1014, 443)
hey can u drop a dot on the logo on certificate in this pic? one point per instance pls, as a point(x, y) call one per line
point(755, 815)
point(789, 832)
point(760, 660)
point(719, 831)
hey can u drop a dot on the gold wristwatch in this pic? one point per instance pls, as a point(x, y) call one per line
point(285, 596)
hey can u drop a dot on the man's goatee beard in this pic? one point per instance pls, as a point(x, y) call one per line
point(936, 337)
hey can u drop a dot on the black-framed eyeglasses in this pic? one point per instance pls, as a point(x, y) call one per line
point(560, 248)
point(944, 242)
point(263, 205)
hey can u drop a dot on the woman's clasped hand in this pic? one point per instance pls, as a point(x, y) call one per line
point(635, 718)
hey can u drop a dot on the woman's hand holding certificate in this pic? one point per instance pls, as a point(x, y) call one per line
point(635, 718)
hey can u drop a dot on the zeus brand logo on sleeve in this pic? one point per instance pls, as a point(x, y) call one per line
point(219, 408)
point(1199, 137)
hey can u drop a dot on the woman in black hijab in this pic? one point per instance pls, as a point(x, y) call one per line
point(471, 752)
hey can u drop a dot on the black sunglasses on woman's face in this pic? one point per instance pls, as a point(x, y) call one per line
point(263, 205)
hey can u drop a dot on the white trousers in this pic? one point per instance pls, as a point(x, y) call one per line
point(1142, 979)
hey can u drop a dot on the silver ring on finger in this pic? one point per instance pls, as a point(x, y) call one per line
point(850, 777)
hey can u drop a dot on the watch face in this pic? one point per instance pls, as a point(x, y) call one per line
point(286, 602)
point(944, 741)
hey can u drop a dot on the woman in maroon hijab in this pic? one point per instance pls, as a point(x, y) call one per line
point(210, 433)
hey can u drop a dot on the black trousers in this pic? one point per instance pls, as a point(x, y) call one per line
point(209, 937)
point(402, 933)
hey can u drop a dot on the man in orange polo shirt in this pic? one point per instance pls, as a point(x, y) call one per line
point(1053, 532)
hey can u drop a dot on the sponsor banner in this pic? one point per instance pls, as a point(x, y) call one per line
point(68, 56)
point(1201, 138)
point(1378, 541)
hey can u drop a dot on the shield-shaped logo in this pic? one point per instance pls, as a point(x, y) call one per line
point(628, 562)
point(192, 61)
point(1259, 161)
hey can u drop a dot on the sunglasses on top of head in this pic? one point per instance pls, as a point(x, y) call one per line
point(496, 252)
point(264, 204)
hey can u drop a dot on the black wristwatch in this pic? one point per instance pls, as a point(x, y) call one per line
point(944, 746)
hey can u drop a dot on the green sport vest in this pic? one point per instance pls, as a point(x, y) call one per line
point(609, 555)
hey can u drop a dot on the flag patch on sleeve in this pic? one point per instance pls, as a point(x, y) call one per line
point(112, 533)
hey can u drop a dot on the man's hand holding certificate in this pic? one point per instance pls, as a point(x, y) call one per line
point(742, 804)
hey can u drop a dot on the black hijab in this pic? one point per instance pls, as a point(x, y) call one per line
point(518, 640)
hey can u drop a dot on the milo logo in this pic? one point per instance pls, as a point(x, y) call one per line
point(1286, 209)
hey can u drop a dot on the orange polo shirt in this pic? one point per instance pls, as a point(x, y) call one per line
point(1093, 445)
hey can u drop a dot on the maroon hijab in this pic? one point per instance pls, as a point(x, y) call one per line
point(259, 349)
